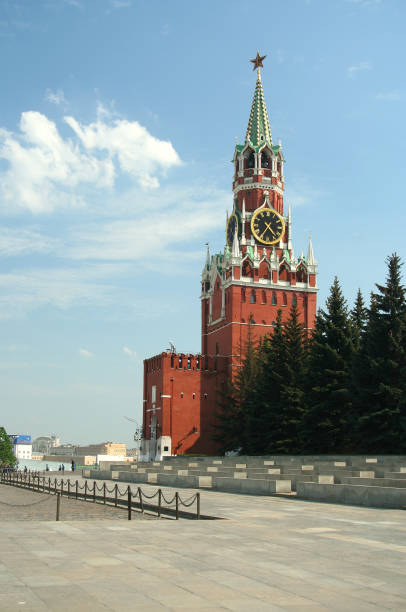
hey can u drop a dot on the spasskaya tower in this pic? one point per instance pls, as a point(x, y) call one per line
point(243, 287)
point(258, 273)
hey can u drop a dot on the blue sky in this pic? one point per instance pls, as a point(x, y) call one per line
point(118, 121)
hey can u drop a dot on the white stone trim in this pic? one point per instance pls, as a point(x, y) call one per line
point(247, 186)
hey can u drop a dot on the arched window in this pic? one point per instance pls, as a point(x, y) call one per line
point(217, 348)
point(251, 160)
point(284, 300)
point(274, 300)
point(265, 161)
point(247, 269)
point(180, 361)
point(243, 294)
point(263, 296)
point(253, 298)
point(198, 363)
point(172, 361)
point(283, 273)
point(294, 300)
point(301, 275)
point(189, 362)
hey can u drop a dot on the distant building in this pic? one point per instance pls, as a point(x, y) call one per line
point(44, 444)
point(104, 448)
point(22, 446)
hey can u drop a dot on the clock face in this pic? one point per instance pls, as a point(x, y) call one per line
point(267, 226)
point(232, 227)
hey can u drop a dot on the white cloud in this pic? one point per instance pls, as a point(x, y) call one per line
point(46, 171)
point(22, 241)
point(388, 96)
point(24, 290)
point(361, 67)
point(118, 4)
point(169, 218)
point(55, 97)
point(85, 353)
point(138, 153)
point(128, 351)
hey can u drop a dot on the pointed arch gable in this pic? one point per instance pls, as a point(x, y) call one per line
point(264, 270)
point(247, 267)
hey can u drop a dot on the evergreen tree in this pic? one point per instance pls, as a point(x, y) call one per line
point(265, 399)
point(6, 449)
point(359, 316)
point(292, 387)
point(380, 370)
point(325, 427)
point(233, 416)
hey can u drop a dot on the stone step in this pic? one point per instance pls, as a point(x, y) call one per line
point(362, 495)
point(376, 482)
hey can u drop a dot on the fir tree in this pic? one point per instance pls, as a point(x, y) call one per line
point(6, 449)
point(292, 387)
point(325, 427)
point(380, 370)
point(266, 393)
point(359, 316)
point(233, 416)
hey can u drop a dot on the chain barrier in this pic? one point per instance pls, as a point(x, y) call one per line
point(41, 501)
point(40, 483)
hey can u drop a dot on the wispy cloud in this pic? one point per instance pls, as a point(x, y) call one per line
point(388, 96)
point(55, 97)
point(365, 3)
point(353, 70)
point(119, 4)
point(22, 291)
point(85, 353)
point(128, 351)
point(24, 241)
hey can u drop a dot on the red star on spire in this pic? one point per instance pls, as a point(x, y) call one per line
point(258, 61)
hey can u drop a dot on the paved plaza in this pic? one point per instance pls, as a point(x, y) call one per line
point(268, 553)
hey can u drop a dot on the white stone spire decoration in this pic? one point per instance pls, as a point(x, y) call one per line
point(243, 241)
point(256, 256)
point(310, 255)
point(235, 251)
point(205, 271)
point(290, 247)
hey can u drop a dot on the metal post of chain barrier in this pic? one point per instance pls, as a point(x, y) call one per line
point(115, 495)
point(177, 505)
point(198, 506)
point(49, 485)
point(61, 486)
point(85, 489)
point(68, 487)
point(55, 486)
point(29, 481)
point(159, 501)
point(129, 502)
point(94, 491)
point(58, 505)
point(76, 492)
point(104, 493)
point(141, 502)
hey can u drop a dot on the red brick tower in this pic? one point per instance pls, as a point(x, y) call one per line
point(242, 290)
point(257, 274)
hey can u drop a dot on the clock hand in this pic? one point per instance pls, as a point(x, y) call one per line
point(269, 228)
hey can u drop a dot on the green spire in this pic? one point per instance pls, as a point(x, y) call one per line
point(259, 130)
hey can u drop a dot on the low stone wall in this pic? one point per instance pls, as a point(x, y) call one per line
point(360, 495)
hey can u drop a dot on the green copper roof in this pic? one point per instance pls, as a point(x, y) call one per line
point(259, 130)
